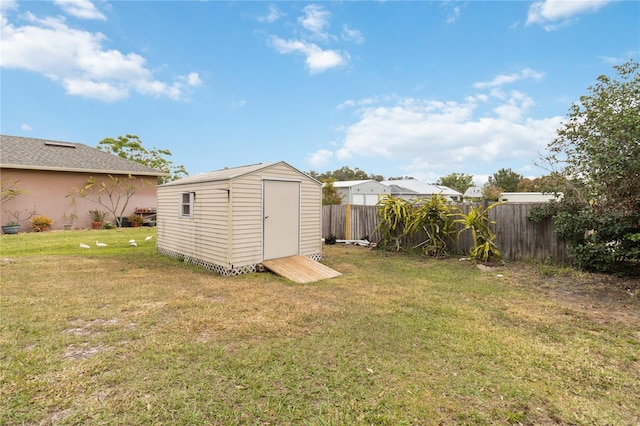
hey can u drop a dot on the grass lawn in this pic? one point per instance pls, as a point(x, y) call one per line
point(124, 336)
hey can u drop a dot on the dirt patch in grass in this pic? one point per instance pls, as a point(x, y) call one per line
point(602, 297)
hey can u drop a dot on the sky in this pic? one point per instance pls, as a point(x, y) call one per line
point(394, 88)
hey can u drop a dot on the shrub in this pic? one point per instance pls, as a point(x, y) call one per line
point(41, 223)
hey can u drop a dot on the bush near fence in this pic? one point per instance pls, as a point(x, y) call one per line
point(516, 236)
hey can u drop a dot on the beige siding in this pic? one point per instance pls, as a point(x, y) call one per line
point(203, 237)
point(227, 227)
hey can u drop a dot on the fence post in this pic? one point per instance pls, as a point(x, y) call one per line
point(347, 224)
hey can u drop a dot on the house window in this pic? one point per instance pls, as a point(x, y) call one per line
point(186, 204)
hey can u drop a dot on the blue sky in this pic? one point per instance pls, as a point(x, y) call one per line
point(394, 88)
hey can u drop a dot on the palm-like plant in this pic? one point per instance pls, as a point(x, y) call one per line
point(478, 221)
point(433, 216)
point(392, 215)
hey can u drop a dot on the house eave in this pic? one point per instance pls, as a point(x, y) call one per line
point(82, 170)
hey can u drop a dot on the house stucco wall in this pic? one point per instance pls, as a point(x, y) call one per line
point(47, 192)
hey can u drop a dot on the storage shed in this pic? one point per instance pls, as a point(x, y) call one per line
point(360, 192)
point(231, 220)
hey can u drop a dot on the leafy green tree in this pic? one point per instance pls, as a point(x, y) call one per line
point(506, 179)
point(597, 155)
point(458, 181)
point(330, 194)
point(600, 142)
point(345, 173)
point(130, 147)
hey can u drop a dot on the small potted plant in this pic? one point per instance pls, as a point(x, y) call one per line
point(69, 220)
point(135, 220)
point(97, 218)
point(41, 223)
point(11, 227)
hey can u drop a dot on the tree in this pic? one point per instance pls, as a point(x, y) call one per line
point(600, 142)
point(9, 190)
point(345, 173)
point(330, 194)
point(113, 195)
point(491, 192)
point(130, 147)
point(458, 181)
point(506, 179)
point(401, 178)
point(597, 155)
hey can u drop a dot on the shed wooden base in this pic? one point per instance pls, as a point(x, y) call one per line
point(300, 269)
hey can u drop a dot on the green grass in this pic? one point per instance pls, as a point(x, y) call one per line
point(122, 335)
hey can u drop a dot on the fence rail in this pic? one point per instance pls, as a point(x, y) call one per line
point(517, 237)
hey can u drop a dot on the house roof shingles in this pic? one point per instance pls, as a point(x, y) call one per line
point(18, 152)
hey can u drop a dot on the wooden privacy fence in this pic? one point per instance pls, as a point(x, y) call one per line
point(516, 236)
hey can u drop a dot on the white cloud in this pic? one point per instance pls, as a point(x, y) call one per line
point(503, 79)
point(82, 9)
point(453, 16)
point(8, 5)
point(77, 59)
point(315, 19)
point(26, 127)
point(317, 60)
point(320, 158)
point(552, 14)
point(352, 34)
point(273, 15)
point(442, 137)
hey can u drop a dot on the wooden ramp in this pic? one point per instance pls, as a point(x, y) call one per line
point(300, 269)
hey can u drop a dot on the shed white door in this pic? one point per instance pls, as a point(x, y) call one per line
point(281, 224)
point(365, 199)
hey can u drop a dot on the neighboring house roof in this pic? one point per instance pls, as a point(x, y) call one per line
point(228, 173)
point(40, 154)
point(399, 190)
point(417, 187)
point(473, 192)
point(350, 183)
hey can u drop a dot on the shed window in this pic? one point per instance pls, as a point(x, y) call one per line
point(186, 204)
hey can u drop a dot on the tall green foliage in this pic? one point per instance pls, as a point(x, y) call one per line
point(477, 221)
point(392, 214)
point(330, 194)
point(458, 181)
point(399, 220)
point(505, 179)
point(131, 148)
point(433, 216)
point(597, 152)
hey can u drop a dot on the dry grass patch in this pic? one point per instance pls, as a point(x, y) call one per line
point(107, 337)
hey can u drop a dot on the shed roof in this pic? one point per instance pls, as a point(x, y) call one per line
point(228, 173)
point(415, 186)
point(350, 183)
point(18, 152)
